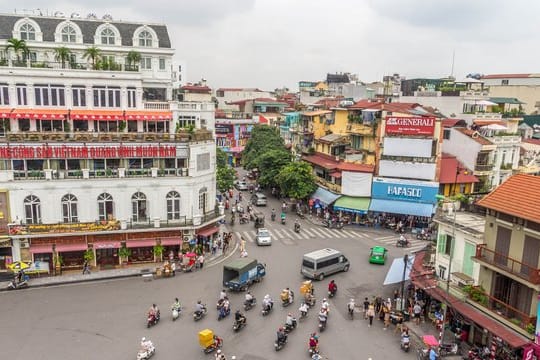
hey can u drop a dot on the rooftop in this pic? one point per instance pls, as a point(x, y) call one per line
point(505, 100)
point(240, 89)
point(467, 222)
point(316, 113)
point(517, 196)
point(448, 123)
point(330, 163)
point(475, 135)
point(509, 76)
point(449, 171)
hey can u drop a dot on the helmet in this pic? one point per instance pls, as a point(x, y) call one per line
point(219, 351)
point(352, 300)
point(154, 305)
point(287, 289)
point(331, 282)
point(289, 314)
point(324, 299)
point(176, 299)
point(249, 292)
point(198, 301)
point(143, 339)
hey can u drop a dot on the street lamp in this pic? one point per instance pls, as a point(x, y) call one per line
point(451, 255)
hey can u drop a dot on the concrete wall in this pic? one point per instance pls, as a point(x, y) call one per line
point(456, 145)
point(529, 94)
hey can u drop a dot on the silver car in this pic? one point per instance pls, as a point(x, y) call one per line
point(263, 237)
point(241, 185)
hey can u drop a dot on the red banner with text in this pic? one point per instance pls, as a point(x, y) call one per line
point(85, 152)
point(410, 125)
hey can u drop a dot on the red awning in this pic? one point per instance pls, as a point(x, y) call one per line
point(335, 174)
point(149, 115)
point(141, 243)
point(98, 115)
point(39, 114)
point(171, 241)
point(208, 231)
point(5, 113)
point(71, 247)
point(107, 245)
point(41, 249)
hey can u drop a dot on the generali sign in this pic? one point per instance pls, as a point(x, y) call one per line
point(410, 125)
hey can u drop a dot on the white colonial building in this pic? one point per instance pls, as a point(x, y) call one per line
point(94, 154)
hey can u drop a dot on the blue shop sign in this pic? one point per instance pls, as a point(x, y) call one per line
point(405, 190)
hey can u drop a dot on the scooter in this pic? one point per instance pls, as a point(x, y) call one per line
point(448, 349)
point(322, 324)
point(146, 353)
point(402, 243)
point(278, 345)
point(351, 312)
point(328, 224)
point(405, 343)
point(244, 220)
point(288, 301)
point(297, 228)
point(273, 217)
point(176, 312)
point(223, 313)
point(199, 315)
point(238, 325)
point(14, 284)
point(249, 304)
point(300, 214)
point(217, 344)
point(283, 221)
point(288, 328)
point(265, 311)
point(152, 320)
point(332, 293)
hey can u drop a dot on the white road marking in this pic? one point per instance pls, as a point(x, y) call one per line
point(287, 241)
point(278, 232)
point(247, 236)
point(308, 232)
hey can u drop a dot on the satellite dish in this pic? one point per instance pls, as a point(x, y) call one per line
point(91, 16)
point(59, 14)
point(107, 17)
point(75, 15)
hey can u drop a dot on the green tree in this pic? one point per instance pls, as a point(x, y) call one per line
point(18, 46)
point(263, 138)
point(221, 158)
point(296, 180)
point(94, 54)
point(133, 59)
point(270, 164)
point(62, 54)
point(225, 178)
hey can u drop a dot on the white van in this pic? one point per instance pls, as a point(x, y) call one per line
point(320, 263)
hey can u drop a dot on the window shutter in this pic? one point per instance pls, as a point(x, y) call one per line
point(441, 243)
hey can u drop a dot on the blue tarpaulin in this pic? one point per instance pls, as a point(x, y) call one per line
point(402, 207)
point(324, 196)
point(395, 273)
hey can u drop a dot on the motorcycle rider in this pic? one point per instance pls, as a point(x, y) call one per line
point(403, 240)
point(303, 309)
point(239, 317)
point(225, 308)
point(249, 298)
point(323, 316)
point(176, 305)
point(199, 308)
point(267, 302)
point(222, 295)
point(405, 338)
point(313, 342)
point(296, 225)
point(290, 295)
point(281, 336)
point(153, 312)
point(290, 321)
point(220, 355)
point(325, 306)
point(146, 344)
point(332, 287)
point(273, 214)
point(283, 217)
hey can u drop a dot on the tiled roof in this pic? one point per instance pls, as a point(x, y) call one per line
point(506, 76)
point(322, 160)
point(240, 89)
point(449, 171)
point(88, 28)
point(315, 113)
point(482, 122)
point(475, 136)
point(330, 138)
point(263, 100)
point(517, 196)
point(448, 123)
point(196, 88)
point(531, 141)
point(344, 166)
point(365, 104)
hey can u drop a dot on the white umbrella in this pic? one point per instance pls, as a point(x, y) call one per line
point(495, 127)
point(485, 102)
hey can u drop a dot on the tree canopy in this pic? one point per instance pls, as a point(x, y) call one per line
point(270, 164)
point(296, 180)
point(221, 158)
point(225, 174)
point(263, 139)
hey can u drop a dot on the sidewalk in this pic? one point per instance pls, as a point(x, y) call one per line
point(99, 275)
point(418, 331)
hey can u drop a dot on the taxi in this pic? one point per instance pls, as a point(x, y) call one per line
point(378, 255)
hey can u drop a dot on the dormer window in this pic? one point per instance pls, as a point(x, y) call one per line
point(107, 37)
point(69, 35)
point(145, 39)
point(28, 32)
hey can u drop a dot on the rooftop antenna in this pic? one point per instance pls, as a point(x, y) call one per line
point(453, 61)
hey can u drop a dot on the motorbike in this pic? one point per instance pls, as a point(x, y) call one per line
point(300, 214)
point(238, 325)
point(244, 220)
point(316, 356)
point(351, 312)
point(288, 328)
point(405, 343)
point(273, 217)
point(199, 315)
point(330, 224)
point(287, 300)
point(322, 323)
point(223, 313)
point(478, 353)
point(283, 221)
point(265, 311)
point(249, 304)
point(217, 344)
point(297, 228)
point(152, 319)
point(332, 293)
point(424, 236)
point(14, 284)
point(448, 349)
point(176, 312)
point(147, 352)
point(279, 344)
point(402, 243)
point(310, 300)
point(232, 221)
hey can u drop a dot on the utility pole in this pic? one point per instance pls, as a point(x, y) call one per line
point(405, 262)
point(445, 310)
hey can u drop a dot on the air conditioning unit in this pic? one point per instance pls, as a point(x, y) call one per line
point(185, 232)
point(24, 244)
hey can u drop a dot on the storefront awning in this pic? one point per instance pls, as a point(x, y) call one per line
point(39, 114)
point(149, 115)
point(208, 231)
point(395, 273)
point(171, 241)
point(107, 245)
point(41, 249)
point(5, 113)
point(358, 205)
point(71, 247)
point(324, 196)
point(401, 207)
point(140, 243)
point(98, 115)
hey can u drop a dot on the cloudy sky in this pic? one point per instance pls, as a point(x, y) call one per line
point(275, 43)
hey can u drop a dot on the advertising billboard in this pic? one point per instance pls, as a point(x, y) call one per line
point(405, 190)
point(396, 125)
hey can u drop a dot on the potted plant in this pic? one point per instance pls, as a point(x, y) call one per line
point(122, 126)
point(124, 253)
point(158, 252)
point(58, 262)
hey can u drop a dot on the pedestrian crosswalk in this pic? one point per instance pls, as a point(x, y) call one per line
point(391, 240)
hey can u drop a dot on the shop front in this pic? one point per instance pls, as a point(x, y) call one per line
point(397, 200)
point(41, 252)
point(6, 256)
point(206, 237)
point(322, 198)
point(141, 250)
point(106, 253)
point(353, 210)
point(172, 246)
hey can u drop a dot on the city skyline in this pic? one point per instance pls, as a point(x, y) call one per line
point(249, 43)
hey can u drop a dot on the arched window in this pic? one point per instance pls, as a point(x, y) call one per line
point(145, 39)
point(105, 206)
point(27, 32)
point(138, 207)
point(69, 208)
point(108, 37)
point(203, 199)
point(173, 206)
point(69, 34)
point(32, 209)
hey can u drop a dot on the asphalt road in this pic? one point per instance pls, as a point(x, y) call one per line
point(105, 320)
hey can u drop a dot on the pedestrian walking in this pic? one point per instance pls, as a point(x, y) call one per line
point(417, 310)
point(242, 244)
point(86, 268)
point(200, 260)
point(371, 314)
point(366, 307)
point(173, 268)
point(386, 311)
point(214, 248)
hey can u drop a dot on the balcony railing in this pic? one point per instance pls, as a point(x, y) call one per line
point(508, 264)
point(98, 174)
point(156, 105)
point(478, 296)
point(483, 167)
point(331, 186)
point(67, 65)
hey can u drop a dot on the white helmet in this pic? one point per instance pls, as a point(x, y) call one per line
point(219, 351)
point(324, 299)
point(352, 300)
point(143, 339)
